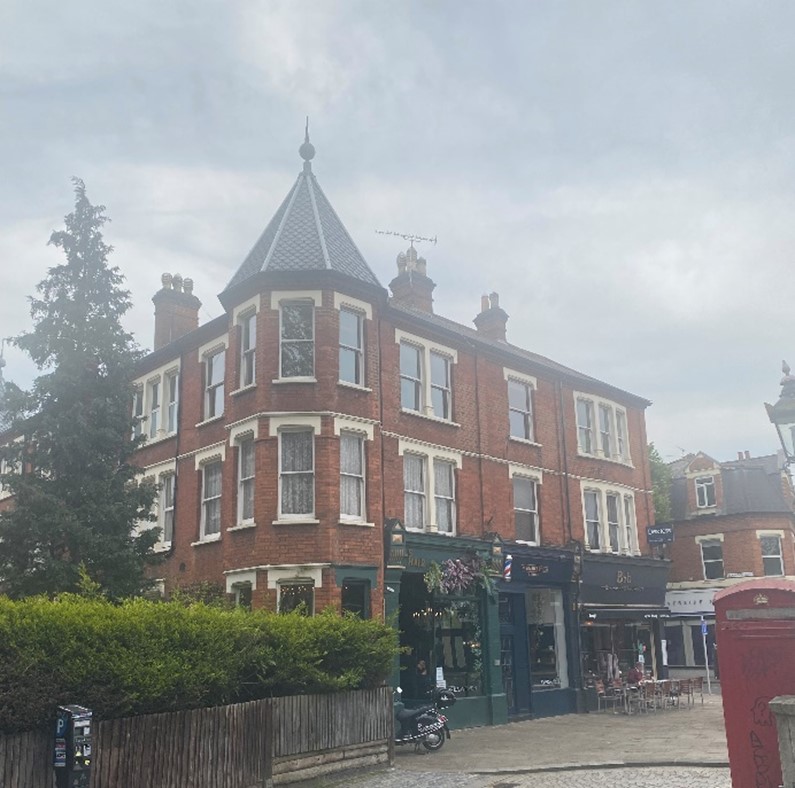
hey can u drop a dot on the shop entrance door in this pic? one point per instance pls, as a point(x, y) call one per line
point(514, 656)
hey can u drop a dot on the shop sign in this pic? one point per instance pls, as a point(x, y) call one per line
point(612, 580)
point(691, 602)
point(531, 568)
point(659, 534)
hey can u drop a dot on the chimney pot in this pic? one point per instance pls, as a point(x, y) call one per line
point(492, 320)
point(412, 290)
point(739, 455)
point(176, 310)
point(747, 454)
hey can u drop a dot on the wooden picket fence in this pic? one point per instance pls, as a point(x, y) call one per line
point(245, 745)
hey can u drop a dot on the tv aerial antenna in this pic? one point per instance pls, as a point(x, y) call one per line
point(410, 237)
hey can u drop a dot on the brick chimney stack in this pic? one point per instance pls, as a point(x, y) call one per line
point(493, 319)
point(412, 287)
point(176, 309)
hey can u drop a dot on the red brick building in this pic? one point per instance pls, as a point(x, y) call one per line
point(732, 520)
point(325, 443)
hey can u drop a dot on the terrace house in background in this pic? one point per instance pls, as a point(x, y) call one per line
point(323, 443)
point(732, 520)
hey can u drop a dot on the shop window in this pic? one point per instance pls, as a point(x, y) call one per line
point(547, 638)
point(459, 649)
point(356, 598)
point(297, 596)
point(675, 644)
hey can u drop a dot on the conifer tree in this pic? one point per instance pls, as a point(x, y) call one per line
point(77, 500)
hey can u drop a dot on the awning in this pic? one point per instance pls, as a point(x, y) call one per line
point(639, 614)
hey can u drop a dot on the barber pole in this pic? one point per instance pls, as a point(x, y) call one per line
point(506, 568)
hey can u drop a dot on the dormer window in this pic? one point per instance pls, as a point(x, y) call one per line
point(705, 492)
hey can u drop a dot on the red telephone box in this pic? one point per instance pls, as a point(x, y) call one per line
point(755, 631)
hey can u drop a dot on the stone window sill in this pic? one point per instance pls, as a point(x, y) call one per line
point(207, 540)
point(283, 381)
point(210, 421)
point(355, 386)
point(435, 419)
point(242, 526)
point(297, 521)
point(358, 523)
point(243, 390)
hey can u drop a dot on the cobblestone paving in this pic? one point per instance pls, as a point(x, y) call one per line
point(653, 777)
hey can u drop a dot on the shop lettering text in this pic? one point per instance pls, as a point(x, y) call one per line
point(535, 569)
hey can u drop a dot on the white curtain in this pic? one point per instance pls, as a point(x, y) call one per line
point(414, 486)
point(351, 475)
point(212, 498)
point(298, 478)
point(443, 489)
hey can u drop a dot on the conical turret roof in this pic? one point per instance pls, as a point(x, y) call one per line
point(305, 234)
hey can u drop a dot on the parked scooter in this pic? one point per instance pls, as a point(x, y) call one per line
point(425, 725)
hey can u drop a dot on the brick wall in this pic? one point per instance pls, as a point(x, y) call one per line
point(479, 433)
point(741, 548)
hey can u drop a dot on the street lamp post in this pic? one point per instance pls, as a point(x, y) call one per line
point(782, 414)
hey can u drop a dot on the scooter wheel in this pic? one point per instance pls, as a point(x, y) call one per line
point(434, 741)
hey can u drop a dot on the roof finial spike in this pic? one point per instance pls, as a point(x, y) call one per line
point(307, 150)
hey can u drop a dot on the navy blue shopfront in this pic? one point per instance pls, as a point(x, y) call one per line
point(539, 651)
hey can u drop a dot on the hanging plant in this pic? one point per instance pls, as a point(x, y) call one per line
point(459, 575)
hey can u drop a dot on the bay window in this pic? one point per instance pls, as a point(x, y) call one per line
point(245, 481)
point(248, 349)
point(609, 518)
point(351, 357)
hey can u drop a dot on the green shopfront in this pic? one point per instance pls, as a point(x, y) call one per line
point(439, 592)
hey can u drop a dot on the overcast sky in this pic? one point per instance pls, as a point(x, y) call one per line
point(622, 173)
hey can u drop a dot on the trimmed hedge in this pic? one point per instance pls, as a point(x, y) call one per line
point(142, 657)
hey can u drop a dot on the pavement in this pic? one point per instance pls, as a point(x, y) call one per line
point(675, 748)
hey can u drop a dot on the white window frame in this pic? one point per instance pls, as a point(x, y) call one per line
point(154, 395)
point(290, 302)
point(703, 485)
point(711, 539)
point(529, 384)
point(157, 474)
point(442, 500)
point(626, 524)
point(425, 349)
point(429, 454)
point(357, 351)
point(211, 360)
point(243, 441)
point(151, 403)
point(360, 478)
point(607, 430)
point(779, 535)
point(535, 513)
point(247, 323)
point(444, 388)
point(292, 517)
point(164, 509)
point(171, 387)
point(205, 501)
point(138, 411)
